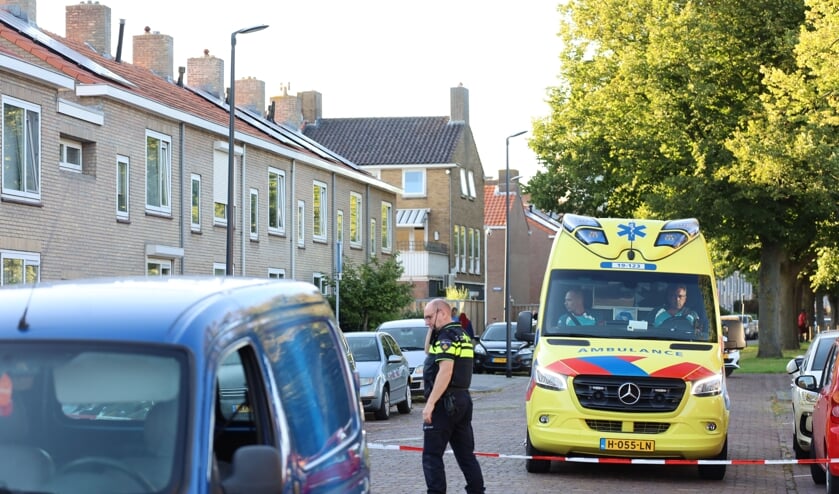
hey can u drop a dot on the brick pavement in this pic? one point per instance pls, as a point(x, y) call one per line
point(760, 429)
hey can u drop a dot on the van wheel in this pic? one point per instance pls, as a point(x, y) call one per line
point(535, 466)
point(816, 470)
point(406, 405)
point(832, 482)
point(715, 472)
point(383, 413)
point(729, 371)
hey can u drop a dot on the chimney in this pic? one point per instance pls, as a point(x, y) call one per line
point(250, 94)
point(207, 74)
point(155, 52)
point(460, 104)
point(89, 23)
point(22, 9)
point(502, 180)
point(287, 109)
point(311, 104)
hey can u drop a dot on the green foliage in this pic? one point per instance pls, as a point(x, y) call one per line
point(370, 294)
point(455, 293)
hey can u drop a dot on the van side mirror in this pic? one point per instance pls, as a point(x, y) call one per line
point(524, 327)
point(257, 469)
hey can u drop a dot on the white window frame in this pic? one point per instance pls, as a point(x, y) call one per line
point(463, 247)
point(278, 209)
point(356, 224)
point(339, 225)
point(195, 202)
point(420, 172)
point(464, 186)
point(164, 182)
point(373, 236)
point(320, 209)
point(387, 227)
point(472, 187)
point(470, 248)
point(276, 273)
point(476, 244)
point(220, 172)
point(219, 269)
point(319, 280)
point(301, 223)
point(123, 187)
point(30, 170)
point(456, 247)
point(164, 266)
point(29, 260)
point(65, 146)
point(254, 209)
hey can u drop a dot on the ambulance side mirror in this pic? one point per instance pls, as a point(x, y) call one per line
point(524, 327)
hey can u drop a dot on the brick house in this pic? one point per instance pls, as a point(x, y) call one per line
point(114, 168)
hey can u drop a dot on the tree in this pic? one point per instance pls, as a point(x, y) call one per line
point(645, 124)
point(371, 293)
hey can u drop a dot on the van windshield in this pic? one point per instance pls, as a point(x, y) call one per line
point(629, 304)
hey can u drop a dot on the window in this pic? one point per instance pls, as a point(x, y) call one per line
point(355, 219)
point(463, 248)
point(339, 225)
point(476, 249)
point(158, 173)
point(220, 172)
point(319, 210)
point(413, 183)
point(158, 267)
point(276, 201)
point(20, 267)
point(470, 249)
point(373, 237)
point(276, 273)
point(301, 223)
point(471, 184)
point(319, 280)
point(254, 214)
point(219, 269)
point(21, 148)
point(70, 155)
point(195, 217)
point(387, 226)
point(456, 245)
point(122, 187)
point(464, 187)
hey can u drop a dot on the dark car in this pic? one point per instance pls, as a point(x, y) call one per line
point(198, 385)
point(491, 350)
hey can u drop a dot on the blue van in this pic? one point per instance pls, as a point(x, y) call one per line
point(188, 385)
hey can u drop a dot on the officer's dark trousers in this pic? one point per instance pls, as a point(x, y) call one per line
point(456, 430)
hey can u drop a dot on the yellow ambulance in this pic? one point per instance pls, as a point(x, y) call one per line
point(628, 360)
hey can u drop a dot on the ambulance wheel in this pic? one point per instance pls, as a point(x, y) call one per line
point(715, 472)
point(535, 466)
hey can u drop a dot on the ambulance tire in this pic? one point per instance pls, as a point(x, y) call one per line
point(535, 466)
point(715, 472)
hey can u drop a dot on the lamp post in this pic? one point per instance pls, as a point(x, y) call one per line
point(507, 257)
point(231, 102)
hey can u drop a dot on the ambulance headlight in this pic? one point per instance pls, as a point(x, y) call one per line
point(550, 380)
point(710, 386)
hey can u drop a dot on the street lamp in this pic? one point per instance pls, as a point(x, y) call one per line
point(231, 102)
point(507, 258)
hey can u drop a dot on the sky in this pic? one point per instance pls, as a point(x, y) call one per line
point(373, 58)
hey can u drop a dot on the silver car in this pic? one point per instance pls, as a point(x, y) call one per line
point(811, 363)
point(410, 336)
point(383, 372)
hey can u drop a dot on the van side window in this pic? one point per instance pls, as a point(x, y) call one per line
point(310, 369)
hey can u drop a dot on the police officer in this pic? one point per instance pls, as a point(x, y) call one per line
point(447, 416)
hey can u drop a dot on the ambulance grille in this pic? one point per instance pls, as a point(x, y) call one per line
point(636, 427)
point(629, 394)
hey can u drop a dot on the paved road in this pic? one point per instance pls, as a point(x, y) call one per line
point(760, 429)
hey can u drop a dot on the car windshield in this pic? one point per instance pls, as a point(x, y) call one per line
point(82, 413)
point(408, 338)
point(364, 348)
point(498, 332)
point(629, 304)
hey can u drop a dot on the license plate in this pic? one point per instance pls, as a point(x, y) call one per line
point(607, 444)
point(499, 360)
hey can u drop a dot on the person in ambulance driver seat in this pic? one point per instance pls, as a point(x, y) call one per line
point(676, 308)
point(575, 314)
point(447, 415)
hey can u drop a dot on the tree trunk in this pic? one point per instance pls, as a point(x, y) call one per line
point(770, 297)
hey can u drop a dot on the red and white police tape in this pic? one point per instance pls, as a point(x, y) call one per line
point(621, 461)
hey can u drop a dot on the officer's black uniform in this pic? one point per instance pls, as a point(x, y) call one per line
point(451, 420)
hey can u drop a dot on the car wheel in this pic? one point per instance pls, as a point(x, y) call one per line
point(406, 405)
point(832, 482)
point(535, 466)
point(715, 472)
point(816, 470)
point(383, 413)
point(800, 454)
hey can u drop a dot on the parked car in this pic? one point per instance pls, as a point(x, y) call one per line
point(383, 371)
point(410, 336)
point(491, 350)
point(197, 385)
point(812, 363)
point(749, 326)
point(735, 340)
point(825, 440)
